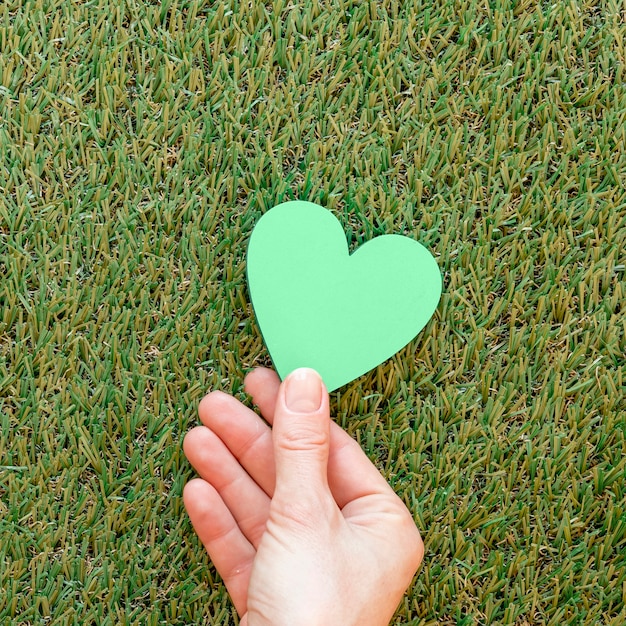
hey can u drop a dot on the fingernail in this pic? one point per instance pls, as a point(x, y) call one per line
point(303, 393)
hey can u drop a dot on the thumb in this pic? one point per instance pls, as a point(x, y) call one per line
point(301, 433)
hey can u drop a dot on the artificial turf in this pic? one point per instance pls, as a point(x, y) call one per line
point(140, 142)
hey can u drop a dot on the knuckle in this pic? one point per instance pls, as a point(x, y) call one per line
point(301, 437)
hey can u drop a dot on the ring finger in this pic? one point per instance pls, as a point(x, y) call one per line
point(248, 503)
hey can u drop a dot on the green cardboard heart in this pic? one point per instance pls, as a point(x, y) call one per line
point(319, 306)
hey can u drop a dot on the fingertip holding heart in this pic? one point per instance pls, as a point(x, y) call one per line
point(319, 306)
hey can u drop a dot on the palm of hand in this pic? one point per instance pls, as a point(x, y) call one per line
point(334, 546)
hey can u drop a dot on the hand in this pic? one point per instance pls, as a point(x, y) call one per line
point(298, 522)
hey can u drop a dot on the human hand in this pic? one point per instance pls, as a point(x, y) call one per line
point(300, 525)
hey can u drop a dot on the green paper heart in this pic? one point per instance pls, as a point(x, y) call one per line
point(319, 306)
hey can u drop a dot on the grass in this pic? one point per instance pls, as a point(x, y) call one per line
point(139, 143)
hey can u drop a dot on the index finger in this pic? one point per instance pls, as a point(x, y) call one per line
point(351, 475)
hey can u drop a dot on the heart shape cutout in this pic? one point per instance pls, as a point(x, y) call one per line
point(319, 306)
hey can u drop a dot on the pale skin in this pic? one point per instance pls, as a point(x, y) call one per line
point(300, 525)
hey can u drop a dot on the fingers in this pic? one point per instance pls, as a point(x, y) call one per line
point(244, 433)
point(231, 553)
point(247, 502)
point(263, 384)
point(301, 436)
point(351, 475)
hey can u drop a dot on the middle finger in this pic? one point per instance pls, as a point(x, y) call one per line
point(244, 433)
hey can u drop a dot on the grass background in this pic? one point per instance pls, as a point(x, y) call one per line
point(140, 142)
